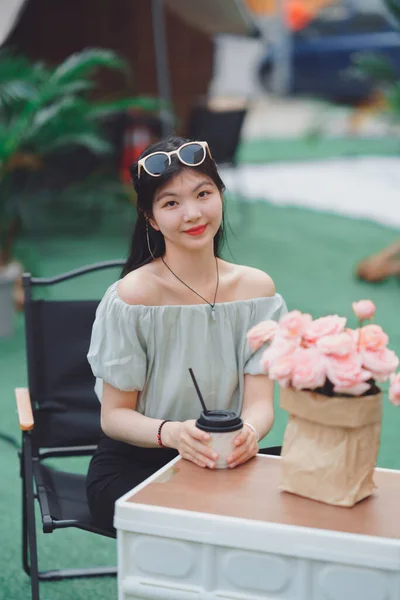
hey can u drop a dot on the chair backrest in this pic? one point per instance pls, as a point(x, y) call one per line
point(220, 128)
point(61, 383)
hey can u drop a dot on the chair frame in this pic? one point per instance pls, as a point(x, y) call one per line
point(30, 457)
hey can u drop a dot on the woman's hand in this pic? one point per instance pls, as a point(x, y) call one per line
point(246, 447)
point(191, 443)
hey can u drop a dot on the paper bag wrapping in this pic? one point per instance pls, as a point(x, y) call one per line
point(330, 446)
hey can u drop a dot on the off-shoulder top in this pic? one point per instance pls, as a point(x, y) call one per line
point(150, 349)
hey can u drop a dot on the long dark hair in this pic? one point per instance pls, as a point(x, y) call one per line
point(146, 186)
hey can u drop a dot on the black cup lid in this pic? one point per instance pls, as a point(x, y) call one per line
point(219, 421)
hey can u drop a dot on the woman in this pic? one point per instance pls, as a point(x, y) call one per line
point(177, 305)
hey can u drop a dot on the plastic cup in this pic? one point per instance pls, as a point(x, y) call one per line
point(223, 426)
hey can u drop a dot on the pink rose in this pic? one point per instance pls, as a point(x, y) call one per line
point(294, 323)
point(278, 348)
point(329, 325)
point(281, 370)
point(354, 333)
point(394, 390)
point(381, 363)
point(372, 337)
point(364, 309)
point(340, 344)
point(261, 333)
point(309, 369)
point(347, 375)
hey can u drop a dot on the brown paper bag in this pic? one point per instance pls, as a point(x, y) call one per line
point(330, 446)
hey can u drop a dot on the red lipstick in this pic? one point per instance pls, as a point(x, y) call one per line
point(196, 230)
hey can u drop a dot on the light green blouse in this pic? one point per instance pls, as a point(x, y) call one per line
point(150, 349)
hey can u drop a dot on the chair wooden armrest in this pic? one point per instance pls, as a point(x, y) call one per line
point(24, 408)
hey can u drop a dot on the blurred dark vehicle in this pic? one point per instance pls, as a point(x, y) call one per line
point(323, 51)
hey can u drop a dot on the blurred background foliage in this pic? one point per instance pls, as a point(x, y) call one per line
point(382, 71)
point(57, 157)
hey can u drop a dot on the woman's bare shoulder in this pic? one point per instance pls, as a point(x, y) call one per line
point(251, 282)
point(140, 287)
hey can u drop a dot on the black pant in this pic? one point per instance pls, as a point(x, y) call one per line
point(117, 467)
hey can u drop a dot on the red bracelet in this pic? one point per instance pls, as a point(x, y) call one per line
point(159, 432)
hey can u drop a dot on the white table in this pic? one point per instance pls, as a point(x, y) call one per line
point(191, 533)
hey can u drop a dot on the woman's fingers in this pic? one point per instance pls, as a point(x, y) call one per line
point(196, 433)
point(244, 451)
point(241, 438)
point(200, 449)
point(193, 447)
point(198, 459)
point(193, 444)
point(243, 457)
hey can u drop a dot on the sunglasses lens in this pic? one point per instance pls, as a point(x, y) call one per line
point(192, 154)
point(157, 163)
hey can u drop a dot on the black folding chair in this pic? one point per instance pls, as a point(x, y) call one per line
point(59, 416)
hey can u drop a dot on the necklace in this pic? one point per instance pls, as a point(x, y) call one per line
point(194, 291)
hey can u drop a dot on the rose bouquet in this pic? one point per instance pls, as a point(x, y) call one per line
point(326, 356)
point(329, 375)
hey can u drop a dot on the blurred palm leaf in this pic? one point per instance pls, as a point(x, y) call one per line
point(102, 110)
point(84, 64)
point(381, 71)
point(93, 142)
point(374, 67)
point(78, 86)
point(19, 81)
point(60, 109)
point(15, 91)
point(16, 66)
point(44, 111)
point(393, 100)
point(394, 8)
point(64, 122)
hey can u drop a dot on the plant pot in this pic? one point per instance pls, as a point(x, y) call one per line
point(330, 446)
point(8, 276)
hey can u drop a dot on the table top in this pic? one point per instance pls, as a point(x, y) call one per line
point(251, 491)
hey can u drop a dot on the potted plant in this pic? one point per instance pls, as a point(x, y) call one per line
point(382, 71)
point(43, 112)
point(328, 376)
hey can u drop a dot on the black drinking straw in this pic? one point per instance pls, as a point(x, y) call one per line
point(198, 392)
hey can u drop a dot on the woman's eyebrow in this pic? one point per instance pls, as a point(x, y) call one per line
point(199, 185)
point(170, 193)
point(164, 194)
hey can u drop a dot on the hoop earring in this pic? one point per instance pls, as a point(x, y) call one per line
point(148, 240)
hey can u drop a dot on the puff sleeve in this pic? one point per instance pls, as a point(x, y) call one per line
point(117, 352)
point(265, 309)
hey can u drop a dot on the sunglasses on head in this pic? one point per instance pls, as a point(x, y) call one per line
point(191, 154)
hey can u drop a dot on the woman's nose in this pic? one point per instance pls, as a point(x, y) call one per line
point(192, 212)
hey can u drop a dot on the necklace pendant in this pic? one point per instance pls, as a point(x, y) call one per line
point(213, 312)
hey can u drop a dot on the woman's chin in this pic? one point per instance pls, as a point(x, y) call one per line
point(200, 241)
point(193, 242)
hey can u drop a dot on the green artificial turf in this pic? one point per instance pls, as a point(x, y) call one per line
point(261, 150)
